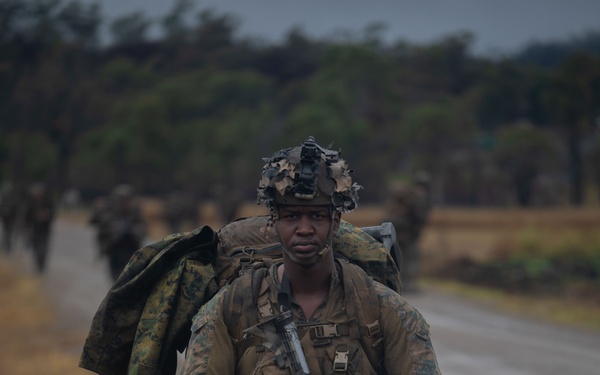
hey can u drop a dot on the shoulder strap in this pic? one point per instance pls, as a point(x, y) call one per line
point(239, 305)
point(364, 304)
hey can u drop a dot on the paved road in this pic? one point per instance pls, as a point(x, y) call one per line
point(469, 339)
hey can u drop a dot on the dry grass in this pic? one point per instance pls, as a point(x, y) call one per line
point(480, 234)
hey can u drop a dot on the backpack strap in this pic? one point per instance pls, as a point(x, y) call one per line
point(241, 306)
point(362, 303)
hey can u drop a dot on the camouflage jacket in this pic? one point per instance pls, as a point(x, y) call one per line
point(146, 313)
point(362, 328)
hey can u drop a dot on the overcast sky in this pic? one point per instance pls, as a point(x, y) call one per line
point(500, 26)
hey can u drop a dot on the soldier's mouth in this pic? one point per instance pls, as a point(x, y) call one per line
point(305, 247)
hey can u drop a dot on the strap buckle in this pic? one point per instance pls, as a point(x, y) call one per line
point(340, 362)
point(323, 331)
point(375, 333)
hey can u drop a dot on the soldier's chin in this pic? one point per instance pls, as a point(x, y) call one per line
point(308, 263)
point(308, 259)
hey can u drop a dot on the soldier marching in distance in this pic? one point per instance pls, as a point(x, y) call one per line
point(11, 202)
point(228, 201)
point(408, 209)
point(120, 227)
point(180, 211)
point(39, 215)
point(99, 218)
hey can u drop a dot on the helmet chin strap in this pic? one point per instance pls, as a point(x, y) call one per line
point(320, 255)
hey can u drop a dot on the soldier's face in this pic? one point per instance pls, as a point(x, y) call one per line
point(304, 230)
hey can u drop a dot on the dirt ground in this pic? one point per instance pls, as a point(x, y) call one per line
point(30, 342)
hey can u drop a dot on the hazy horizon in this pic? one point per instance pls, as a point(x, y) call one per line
point(498, 27)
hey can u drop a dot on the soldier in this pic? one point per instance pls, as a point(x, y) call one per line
point(9, 213)
point(408, 210)
point(312, 312)
point(39, 214)
point(181, 211)
point(228, 202)
point(123, 228)
point(100, 218)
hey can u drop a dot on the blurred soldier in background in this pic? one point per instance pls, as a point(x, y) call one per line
point(181, 212)
point(9, 210)
point(121, 228)
point(39, 214)
point(408, 209)
point(100, 218)
point(228, 202)
point(71, 199)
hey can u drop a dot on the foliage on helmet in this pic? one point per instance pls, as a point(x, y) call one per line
point(308, 175)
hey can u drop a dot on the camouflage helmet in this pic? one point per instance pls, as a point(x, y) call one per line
point(308, 175)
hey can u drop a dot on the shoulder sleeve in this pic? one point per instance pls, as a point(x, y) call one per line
point(209, 334)
point(408, 348)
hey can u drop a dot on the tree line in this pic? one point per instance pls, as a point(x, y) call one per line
point(198, 107)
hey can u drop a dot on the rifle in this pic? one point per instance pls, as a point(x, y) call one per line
point(280, 331)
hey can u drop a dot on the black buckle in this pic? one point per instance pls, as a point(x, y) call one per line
point(375, 333)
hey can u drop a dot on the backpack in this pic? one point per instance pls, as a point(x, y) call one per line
point(146, 316)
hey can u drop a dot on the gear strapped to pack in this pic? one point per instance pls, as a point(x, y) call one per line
point(361, 329)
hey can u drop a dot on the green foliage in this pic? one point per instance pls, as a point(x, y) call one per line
point(523, 152)
point(573, 256)
point(130, 28)
point(122, 74)
point(430, 130)
point(521, 144)
point(194, 127)
point(39, 155)
point(346, 100)
point(202, 107)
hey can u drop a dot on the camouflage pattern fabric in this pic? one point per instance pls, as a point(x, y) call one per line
point(408, 210)
point(406, 348)
point(147, 312)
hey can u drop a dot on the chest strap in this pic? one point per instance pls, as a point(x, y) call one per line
point(361, 304)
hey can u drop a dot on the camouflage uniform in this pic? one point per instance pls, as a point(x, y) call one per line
point(408, 210)
point(181, 211)
point(406, 347)
point(121, 228)
point(39, 214)
point(100, 218)
point(10, 204)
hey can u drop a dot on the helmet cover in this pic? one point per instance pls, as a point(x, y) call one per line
point(308, 175)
